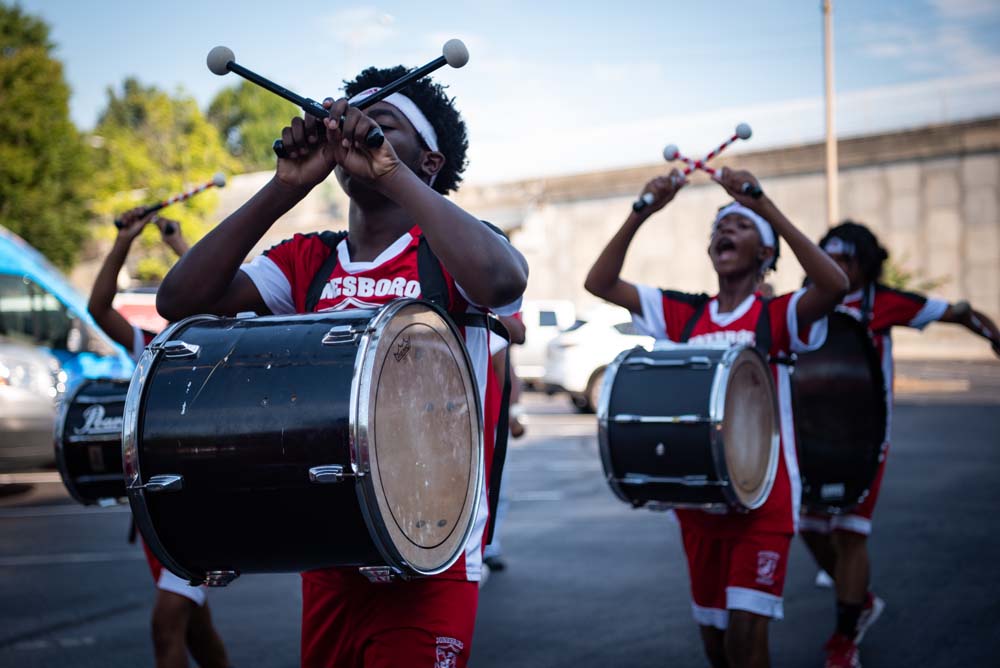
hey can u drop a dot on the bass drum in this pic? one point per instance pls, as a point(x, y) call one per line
point(840, 415)
point(689, 426)
point(88, 442)
point(289, 443)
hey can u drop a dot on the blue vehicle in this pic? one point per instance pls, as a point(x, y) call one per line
point(38, 307)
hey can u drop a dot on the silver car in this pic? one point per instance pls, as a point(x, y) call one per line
point(30, 384)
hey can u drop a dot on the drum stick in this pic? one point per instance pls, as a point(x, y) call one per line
point(221, 60)
point(219, 181)
point(671, 153)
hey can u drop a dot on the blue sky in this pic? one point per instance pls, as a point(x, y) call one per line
point(561, 87)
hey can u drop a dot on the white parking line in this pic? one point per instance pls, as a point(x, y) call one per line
point(70, 558)
point(33, 477)
point(537, 496)
point(58, 511)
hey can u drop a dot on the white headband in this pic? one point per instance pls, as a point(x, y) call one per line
point(408, 109)
point(763, 227)
point(837, 246)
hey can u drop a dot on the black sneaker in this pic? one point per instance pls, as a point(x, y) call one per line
point(495, 563)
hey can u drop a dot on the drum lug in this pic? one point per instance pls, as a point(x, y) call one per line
point(342, 334)
point(179, 349)
point(163, 483)
point(329, 473)
point(220, 578)
point(378, 574)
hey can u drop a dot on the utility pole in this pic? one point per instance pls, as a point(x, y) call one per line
point(832, 187)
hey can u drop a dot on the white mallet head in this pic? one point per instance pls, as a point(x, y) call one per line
point(219, 180)
point(219, 59)
point(671, 152)
point(743, 131)
point(455, 53)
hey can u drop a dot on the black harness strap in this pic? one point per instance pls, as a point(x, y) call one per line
point(499, 443)
point(693, 320)
point(433, 287)
point(503, 418)
point(867, 302)
point(762, 332)
point(321, 277)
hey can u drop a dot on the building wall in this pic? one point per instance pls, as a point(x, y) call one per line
point(931, 195)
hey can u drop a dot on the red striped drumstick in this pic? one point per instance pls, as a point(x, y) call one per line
point(219, 181)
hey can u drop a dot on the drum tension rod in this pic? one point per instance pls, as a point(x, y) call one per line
point(331, 473)
point(169, 482)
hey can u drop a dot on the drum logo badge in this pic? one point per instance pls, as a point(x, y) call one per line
point(767, 566)
point(402, 349)
point(96, 423)
point(448, 650)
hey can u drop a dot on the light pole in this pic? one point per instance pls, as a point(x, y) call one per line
point(832, 188)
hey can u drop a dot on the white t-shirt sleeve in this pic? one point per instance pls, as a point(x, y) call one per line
point(817, 331)
point(932, 311)
point(651, 321)
point(271, 283)
point(497, 343)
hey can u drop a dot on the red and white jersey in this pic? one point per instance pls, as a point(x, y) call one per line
point(284, 273)
point(888, 308)
point(664, 317)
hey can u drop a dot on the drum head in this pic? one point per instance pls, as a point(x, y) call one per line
point(425, 443)
point(749, 429)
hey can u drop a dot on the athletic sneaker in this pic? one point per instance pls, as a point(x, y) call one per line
point(841, 652)
point(871, 612)
point(495, 563)
point(823, 580)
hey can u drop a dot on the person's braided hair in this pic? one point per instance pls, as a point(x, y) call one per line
point(869, 252)
point(439, 109)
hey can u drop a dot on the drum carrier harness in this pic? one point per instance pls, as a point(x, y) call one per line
point(762, 332)
point(434, 288)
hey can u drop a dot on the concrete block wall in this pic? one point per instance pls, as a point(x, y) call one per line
point(932, 196)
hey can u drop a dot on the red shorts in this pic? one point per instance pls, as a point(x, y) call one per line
point(859, 519)
point(167, 581)
point(349, 622)
point(735, 573)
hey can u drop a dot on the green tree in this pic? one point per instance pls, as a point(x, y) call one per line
point(895, 275)
point(42, 157)
point(249, 119)
point(151, 145)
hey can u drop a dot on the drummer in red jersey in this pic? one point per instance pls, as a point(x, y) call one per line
point(736, 561)
point(839, 543)
point(396, 203)
point(182, 621)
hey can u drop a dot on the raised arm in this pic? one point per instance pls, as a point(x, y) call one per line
point(604, 278)
point(102, 294)
point(491, 271)
point(828, 283)
point(208, 279)
point(976, 322)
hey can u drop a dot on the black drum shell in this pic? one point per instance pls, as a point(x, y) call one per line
point(88, 450)
point(685, 445)
point(253, 418)
point(840, 406)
